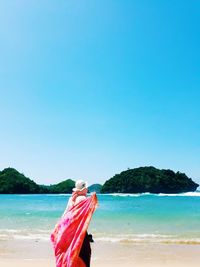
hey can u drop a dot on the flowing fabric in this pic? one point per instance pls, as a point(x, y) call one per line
point(70, 231)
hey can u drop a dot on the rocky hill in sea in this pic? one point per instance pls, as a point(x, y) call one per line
point(138, 180)
point(149, 179)
point(95, 188)
point(13, 182)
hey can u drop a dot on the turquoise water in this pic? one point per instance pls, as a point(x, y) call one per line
point(119, 218)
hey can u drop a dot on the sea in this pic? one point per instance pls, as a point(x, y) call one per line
point(121, 218)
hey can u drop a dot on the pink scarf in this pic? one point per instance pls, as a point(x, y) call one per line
point(70, 231)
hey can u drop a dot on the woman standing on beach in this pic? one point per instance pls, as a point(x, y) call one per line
point(70, 239)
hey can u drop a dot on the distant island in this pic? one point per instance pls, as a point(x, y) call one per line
point(138, 180)
point(95, 188)
point(13, 182)
point(149, 179)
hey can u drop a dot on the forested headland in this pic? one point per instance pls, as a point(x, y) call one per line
point(138, 180)
point(149, 179)
point(13, 182)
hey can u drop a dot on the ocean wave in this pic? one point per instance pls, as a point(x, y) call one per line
point(41, 195)
point(187, 194)
point(10, 234)
point(148, 238)
point(124, 195)
point(57, 195)
point(44, 235)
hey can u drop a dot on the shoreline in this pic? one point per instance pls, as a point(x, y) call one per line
point(106, 254)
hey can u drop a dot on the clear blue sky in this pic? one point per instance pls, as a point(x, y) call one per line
point(90, 88)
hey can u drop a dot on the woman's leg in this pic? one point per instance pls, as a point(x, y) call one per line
point(85, 253)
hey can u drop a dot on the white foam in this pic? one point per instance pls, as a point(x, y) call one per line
point(36, 195)
point(32, 237)
point(39, 234)
point(44, 235)
point(187, 194)
point(124, 195)
point(148, 238)
point(56, 195)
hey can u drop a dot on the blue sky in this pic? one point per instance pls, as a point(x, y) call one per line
point(91, 88)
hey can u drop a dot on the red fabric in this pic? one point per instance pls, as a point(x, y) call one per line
point(70, 231)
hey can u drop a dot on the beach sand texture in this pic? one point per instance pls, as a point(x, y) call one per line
point(104, 254)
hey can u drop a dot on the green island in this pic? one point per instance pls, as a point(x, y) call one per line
point(13, 182)
point(95, 188)
point(149, 179)
point(138, 180)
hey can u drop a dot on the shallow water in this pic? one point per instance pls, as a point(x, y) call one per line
point(119, 217)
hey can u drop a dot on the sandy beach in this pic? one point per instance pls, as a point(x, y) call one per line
point(128, 231)
point(107, 254)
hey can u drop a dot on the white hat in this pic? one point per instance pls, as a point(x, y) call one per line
point(80, 185)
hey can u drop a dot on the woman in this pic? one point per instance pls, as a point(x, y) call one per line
point(70, 239)
point(79, 194)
